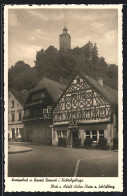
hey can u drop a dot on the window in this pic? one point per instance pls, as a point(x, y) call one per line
point(87, 134)
point(82, 95)
point(59, 117)
point(13, 116)
point(74, 96)
point(64, 133)
point(43, 95)
point(101, 133)
point(20, 115)
point(94, 135)
point(38, 96)
point(74, 115)
point(27, 113)
point(49, 109)
point(44, 111)
point(88, 113)
point(12, 104)
point(102, 112)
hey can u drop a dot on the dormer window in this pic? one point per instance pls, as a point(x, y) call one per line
point(38, 96)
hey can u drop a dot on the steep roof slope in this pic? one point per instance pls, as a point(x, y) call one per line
point(109, 93)
point(20, 96)
point(54, 88)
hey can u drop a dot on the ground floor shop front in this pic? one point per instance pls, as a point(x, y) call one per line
point(37, 131)
point(93, 131)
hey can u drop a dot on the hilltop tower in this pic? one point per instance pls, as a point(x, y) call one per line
point(65, 40)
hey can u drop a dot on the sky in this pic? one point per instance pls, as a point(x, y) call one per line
point(30, 30)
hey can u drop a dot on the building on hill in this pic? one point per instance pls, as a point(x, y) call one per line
point(16, 101)
point(64, 40)
point(87, 109)
point(37, 110)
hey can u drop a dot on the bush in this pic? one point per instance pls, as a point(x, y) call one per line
point(62, 142)
point(77, 142)
point(102, 143)
point(115, 143)
point(88, 142)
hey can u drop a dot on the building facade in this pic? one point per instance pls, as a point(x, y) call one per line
point(86, 109)
point(37, 111)
point(64, 40)
point(16, 101)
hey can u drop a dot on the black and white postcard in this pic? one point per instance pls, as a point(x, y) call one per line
point(63, 98)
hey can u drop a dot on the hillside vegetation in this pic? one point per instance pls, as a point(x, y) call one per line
point(52, 63)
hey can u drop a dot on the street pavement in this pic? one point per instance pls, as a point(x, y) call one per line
point(12, 149)
point(48, 161)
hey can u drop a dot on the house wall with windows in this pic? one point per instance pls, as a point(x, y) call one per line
point(15, 115)
point(85, 110)
point(37, 117)
point(38, 111)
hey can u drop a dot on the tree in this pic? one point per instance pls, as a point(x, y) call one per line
point(52, 63)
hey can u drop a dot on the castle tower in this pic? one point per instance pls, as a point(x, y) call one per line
point(65, 40)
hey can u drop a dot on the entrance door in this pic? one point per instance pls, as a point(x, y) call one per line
point(74, 138)
point(13, 134)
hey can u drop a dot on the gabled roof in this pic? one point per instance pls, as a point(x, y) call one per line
point(54, 88)
point(20, 96)
point(109, 93)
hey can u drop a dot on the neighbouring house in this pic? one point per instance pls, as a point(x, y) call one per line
point(16, 101)
point(86, 109)
point(37, 110)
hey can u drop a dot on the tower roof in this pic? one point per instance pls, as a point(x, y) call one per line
point(65, 28)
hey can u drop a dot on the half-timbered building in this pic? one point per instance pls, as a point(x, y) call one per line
point(86, 109)
point(37, 110)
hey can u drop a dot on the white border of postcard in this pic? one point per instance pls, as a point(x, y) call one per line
point(74, 184)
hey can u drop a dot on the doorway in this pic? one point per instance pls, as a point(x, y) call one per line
point(13, 133)
point(75, 138)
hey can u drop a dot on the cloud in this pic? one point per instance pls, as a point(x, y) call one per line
point(33, 29)
point(24, 52)
point(46, 14)
point(12, 19)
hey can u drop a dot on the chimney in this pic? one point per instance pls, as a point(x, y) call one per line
point(100, 81)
